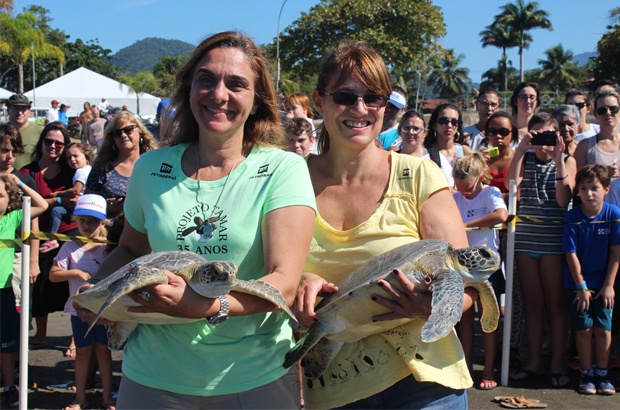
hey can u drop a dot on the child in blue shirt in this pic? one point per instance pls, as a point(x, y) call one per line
point(591, 241)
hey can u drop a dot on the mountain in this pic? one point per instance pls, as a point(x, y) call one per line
point(583, 58)
point(143, 54)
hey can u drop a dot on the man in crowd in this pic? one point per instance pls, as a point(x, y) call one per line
point(395, 108)
point(487, 103)
point(62, 114)
point(52, 113)
point(19, 113)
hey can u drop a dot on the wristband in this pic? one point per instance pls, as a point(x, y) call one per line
point(21, 184)
point(583, 286)
point(59, 200)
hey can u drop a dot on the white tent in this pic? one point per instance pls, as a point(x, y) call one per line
point(5, 93)
point(84, 85)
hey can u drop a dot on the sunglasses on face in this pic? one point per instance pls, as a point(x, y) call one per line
point(414, 129)
point(504, 132)
point(445, 121)
point(348, 98)
point(127, 130)
point(49, 142)
point(613, 109)
point(579, 105)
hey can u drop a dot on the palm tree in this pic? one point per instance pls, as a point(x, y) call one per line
point(523, 17)
point(20, 39)
point(501, 36)
point(496, 76)
point(7, 5)
point(142, 82)
point(450, 80)
point(559, 70)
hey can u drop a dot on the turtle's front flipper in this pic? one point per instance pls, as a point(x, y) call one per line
point(446, 306)
point(317, 360)
point(490, 308)
point(118, 333)
point(266, 291)
point(137, 277)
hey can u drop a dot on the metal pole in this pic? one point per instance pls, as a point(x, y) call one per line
point(24, 320)
point(417, 93)
point(278, 47)
point(34, 79)
point(510, 257)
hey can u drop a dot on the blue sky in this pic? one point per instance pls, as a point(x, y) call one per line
point(578, 25)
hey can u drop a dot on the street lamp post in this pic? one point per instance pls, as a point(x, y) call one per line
point(278, 47)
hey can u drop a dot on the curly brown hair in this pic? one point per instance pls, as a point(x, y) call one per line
point(85, 148)
point(12, 192)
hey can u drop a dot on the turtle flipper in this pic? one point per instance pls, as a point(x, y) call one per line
point(490, 308)
point(446, 306)
point(265, 291)
point(118, 333)
point(303, 345)
point(136, 278)
point(317, 360)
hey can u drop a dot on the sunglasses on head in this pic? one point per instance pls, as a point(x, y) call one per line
point(445, 121)
point(579, 105)
point(504, 132)
point(127, 130)
point(613, 109)
point(348, 98)
point(49, 142)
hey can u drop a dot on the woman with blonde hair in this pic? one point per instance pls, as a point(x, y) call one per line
point(125, 138)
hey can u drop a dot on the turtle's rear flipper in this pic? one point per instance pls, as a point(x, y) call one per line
point(490, 308)
point(303, 345)
point(446, 306)
point(118, 333)
point(265, 291)
point(317, 360)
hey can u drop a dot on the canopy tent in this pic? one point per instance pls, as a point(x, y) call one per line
point(84, 85)
point(4, 94)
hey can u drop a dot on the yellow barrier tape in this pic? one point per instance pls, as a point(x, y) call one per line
point(17, 242)
point(513, 219)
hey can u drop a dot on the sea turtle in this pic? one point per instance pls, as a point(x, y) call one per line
point(210, 279)
point(346, 316)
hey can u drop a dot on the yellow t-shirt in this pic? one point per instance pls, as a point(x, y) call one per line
point(375, 363)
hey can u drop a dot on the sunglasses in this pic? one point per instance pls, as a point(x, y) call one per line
point(416, 130)
point(348, 98)
point(613, 109)
point(49, 142)
point(579, 105)
point(504, 132)
point(127, 130)
point(445, 121)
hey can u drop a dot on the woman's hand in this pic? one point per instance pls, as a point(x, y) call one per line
point(408, 303)
point(86, 315)
point(115, 205)
point(311, 286)
point(174, 298)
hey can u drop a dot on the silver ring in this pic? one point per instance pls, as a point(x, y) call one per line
point(146, 295)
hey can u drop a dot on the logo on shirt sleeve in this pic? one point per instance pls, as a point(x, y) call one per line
point(164, 172)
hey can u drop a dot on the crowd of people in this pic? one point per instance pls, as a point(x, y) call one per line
point(371, 177)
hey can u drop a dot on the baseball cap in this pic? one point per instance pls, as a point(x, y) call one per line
point(19, 100)
point(91, 205)
point(55, 102)
point(397, 100)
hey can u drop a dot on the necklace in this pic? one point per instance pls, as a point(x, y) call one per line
point(207, 226)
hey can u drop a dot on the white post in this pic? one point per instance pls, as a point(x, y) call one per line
point(510, 257)
point(24, 320)
point(278, 48)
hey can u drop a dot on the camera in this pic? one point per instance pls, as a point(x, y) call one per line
point(548, 138)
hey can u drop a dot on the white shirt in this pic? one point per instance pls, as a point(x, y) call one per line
point(52, 115)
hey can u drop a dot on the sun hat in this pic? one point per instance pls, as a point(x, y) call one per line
point(91, 205)
point(19, 100)
point(397, 100)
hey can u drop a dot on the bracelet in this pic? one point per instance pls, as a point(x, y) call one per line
point(93, 281)
point(583, 286)
point(21, 184)
point(59, 200)
point(560, 179)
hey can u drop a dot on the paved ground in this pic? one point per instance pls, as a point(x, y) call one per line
point(49, 366)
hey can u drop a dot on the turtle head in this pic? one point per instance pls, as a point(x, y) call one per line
point(213, 279)
point(479, 260)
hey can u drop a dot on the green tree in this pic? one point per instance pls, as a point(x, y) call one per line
point(559, 71)
point(448, 78)
point(165, 70)
point(7, 5)
point(495, 77)
point(89, 55)
point(504, 37)
point(20, 38)
point(140, 83)
point(607, 64)
point(523, 17)
point(401, 30)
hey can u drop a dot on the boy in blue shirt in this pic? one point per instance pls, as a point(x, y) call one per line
point(591, 240)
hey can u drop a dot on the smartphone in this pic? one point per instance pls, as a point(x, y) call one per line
point(493, 152)
point(548, 138)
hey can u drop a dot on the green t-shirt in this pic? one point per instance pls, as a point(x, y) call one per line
point(8, 224)
point(30, 137)
point(244, 352)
